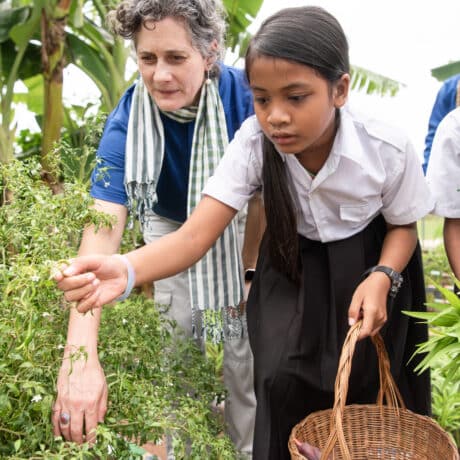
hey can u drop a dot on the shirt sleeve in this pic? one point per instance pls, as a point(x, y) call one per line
point(443, 104)
point(107, 180)
point(406, 195)
point(443, 174)
point(239, 173)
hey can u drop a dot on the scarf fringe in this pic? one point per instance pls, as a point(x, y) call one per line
point(216, 280)
point(216, 326)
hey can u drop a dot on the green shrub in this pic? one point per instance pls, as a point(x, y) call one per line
point(442, 355)
point(155, 385)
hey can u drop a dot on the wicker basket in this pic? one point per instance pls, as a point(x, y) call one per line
point(374, 431)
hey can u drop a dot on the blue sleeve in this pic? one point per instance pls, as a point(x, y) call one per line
point(444, 103)
point(107, 180)
point(236, 98)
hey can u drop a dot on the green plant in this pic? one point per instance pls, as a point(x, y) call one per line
point(156, 385)
point(441, 353)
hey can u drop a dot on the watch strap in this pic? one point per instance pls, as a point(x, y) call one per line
point(395, 277)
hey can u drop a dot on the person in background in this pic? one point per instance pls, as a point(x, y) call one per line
point(443, 176)
point(342, 195)
point(447, 99)
point(159, 145)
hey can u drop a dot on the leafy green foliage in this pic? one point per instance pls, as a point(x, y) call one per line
point(441, 354)
point(446, 71)
point(157, 384)
point(373, 83)
point(240, 14)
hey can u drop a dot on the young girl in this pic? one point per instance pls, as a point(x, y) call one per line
point(342, 196)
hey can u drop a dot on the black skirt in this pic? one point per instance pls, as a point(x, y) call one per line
point(297, 331)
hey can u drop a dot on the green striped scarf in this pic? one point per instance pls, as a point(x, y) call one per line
point(214, 281)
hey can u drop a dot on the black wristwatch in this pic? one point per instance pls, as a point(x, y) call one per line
point(395, 277)
point(249, 274)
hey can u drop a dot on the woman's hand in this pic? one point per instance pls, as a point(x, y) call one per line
point(92, 281)
point(81, 401)
point(369, 302)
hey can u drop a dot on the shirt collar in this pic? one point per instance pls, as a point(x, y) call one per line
point(347, 142)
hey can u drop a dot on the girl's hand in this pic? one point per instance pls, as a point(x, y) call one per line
point(369, 302)
point(93, 281)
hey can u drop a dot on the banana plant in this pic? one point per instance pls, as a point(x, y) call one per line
point(100, 54)
point(373, 83)
point(240, 14)
point(32, 47)
point(446, 71)
point(18, 60)
point(53, 20)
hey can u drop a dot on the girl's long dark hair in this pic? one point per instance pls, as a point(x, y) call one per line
point(312, 37)
point(281, 231)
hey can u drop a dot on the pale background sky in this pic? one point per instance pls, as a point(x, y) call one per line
point(401, 39)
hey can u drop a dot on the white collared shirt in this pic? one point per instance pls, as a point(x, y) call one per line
point(371, 169)
point(443, 173)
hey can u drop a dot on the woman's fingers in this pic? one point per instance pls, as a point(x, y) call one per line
point(56, 413)
point(91, 420)
point(103, 405)
point(76, 426)
point(64, 420)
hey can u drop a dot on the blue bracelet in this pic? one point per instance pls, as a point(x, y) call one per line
point(131, 278)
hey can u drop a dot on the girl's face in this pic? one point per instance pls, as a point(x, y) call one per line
point(172, 70)
point(296, 107)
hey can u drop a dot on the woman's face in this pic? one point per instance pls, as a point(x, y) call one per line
point(296, 107)
point(172, 70)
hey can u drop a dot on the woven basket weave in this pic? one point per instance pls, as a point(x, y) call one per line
point(374, 431)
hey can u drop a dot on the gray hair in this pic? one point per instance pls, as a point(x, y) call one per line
point(204, 20)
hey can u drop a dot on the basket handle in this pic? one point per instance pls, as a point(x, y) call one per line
point(388, 389)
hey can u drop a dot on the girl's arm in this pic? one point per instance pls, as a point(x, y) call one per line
point(452, 244)
point(160, 259)
point(370, 298)
point(255, 228)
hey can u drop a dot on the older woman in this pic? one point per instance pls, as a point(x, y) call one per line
point(160, 144)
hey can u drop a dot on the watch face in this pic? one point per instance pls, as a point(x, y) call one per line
point(249, 274)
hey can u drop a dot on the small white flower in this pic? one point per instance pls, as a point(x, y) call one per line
point(45, 314)
point(60, 346)
point(35, 278)
point(124, 321)
point(37, 398)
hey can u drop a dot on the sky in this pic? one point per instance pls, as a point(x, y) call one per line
point(401, 39)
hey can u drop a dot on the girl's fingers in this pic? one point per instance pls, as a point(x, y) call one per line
point(373, 320)
point(82, 293)
point(75, 282)
point(367, 327)
point(354, 311)
point(89, 302)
